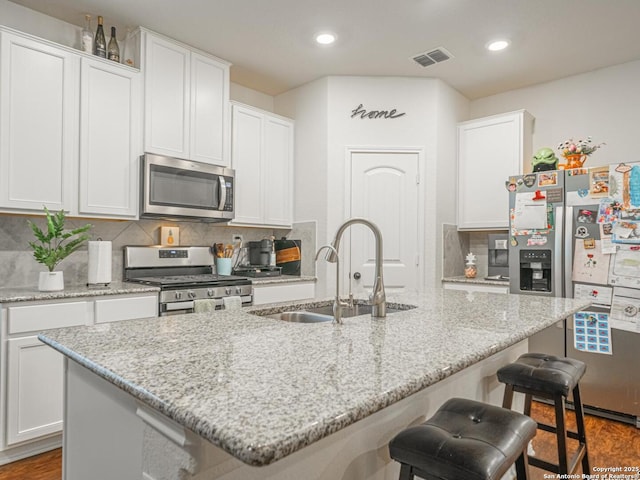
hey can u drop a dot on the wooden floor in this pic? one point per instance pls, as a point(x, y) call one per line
point(46, 466)
point(611, 444)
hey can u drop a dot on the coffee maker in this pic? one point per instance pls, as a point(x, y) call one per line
point(260, 260)
point(498, 265)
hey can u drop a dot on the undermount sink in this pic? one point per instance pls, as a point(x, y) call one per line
point(324, 313)
point(301, 317)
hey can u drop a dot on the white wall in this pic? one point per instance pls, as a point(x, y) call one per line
point(248, 96)
point(441, 202)
point(308, 106)
point(325, 129)
point(603, 103)
point(30, 21)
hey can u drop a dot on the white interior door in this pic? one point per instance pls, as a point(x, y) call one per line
point(384, 190)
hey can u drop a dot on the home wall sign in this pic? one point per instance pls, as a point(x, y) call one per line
point(363, 113)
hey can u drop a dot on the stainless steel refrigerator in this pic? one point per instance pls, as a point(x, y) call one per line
point(565, 227)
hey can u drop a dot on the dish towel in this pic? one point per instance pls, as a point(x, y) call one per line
point(232, 303)
point(203, 306)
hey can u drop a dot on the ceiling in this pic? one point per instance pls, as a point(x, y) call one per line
point(270, 42)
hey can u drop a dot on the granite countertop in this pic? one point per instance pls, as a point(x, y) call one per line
point(26, 294)
point(261, 388)
point(283, 279)
point(477, 281)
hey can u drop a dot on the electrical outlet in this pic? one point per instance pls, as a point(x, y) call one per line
point(237, 238)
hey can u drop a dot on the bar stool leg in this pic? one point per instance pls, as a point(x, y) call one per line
point(582, 436)
point(522, 466)
point(527, 404)
point(405, 472)
point(561, 434)
point(507, 400)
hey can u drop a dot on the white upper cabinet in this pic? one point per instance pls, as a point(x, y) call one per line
point(110, 139)
point(278, 171)
point(70, 130)
point(186, 101)
point(490, 150)
point(262, 156)
point(38, 124)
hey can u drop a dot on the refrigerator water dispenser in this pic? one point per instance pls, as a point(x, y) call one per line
point(535, 270)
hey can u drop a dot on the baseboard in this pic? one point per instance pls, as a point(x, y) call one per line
point(19, 452)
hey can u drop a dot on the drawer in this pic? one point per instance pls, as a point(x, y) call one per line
point(34, 318)
point(116, 309)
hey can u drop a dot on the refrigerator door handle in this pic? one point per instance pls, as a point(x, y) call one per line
point(568, 252)
point(557, 262)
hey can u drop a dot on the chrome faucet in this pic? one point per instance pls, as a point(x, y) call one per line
point(377, 297)
point(337, 302)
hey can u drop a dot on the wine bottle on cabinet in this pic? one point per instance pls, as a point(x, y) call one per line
point(87, 36)
point(99, 42)
point(113, 51)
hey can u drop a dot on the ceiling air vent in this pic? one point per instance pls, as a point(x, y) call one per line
point(436, 55)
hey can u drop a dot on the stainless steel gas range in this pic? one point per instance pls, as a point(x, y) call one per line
point(185, 276)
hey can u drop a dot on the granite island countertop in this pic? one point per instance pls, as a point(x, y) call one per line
point(261, 388)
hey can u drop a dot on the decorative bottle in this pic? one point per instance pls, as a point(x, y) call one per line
point(470, 268)
point(99, 42)
point(87, 36)
point(113, 51)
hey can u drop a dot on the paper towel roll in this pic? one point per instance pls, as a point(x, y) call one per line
point(99, 270)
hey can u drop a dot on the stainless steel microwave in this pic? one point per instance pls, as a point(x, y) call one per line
point(173, 188)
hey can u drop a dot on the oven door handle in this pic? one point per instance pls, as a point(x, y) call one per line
point(223, 193)
point(168, 307)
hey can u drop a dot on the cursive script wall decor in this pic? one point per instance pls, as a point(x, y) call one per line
point(375, 113)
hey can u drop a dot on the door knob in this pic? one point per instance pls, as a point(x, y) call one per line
point(357, 275)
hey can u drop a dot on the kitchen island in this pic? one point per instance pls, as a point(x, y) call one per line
point(236, 396)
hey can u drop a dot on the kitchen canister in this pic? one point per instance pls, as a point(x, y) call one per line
point(99, 269)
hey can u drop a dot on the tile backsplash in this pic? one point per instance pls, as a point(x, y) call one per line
point(456, 247)
point(18, 268)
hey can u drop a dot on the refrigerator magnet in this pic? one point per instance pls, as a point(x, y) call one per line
point(538, 196)
point(547, 179)
point(582, 232)
point(589, 243)
point(529, 180)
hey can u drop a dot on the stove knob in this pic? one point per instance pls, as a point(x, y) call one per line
point(227, 291)
point(238, 290)
point(178, 295)
point(210, 292)
point(191, 294)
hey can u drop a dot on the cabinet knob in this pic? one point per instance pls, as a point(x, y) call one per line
point(357, 275)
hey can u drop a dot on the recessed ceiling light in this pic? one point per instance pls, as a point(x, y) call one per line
point(497, 45)
point(325, 38)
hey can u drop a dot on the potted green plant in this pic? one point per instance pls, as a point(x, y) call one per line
point(54, 245)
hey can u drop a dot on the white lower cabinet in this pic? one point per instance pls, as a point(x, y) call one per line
point(34, 389)
point(32, 376)
point(273, 293)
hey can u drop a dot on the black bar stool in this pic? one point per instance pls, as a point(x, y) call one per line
point(552, 378)
point(465, 440)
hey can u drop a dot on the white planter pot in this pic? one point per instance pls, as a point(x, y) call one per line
point(51, 281)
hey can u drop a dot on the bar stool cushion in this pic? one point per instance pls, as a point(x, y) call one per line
point(543, 373)
point(465, 439)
